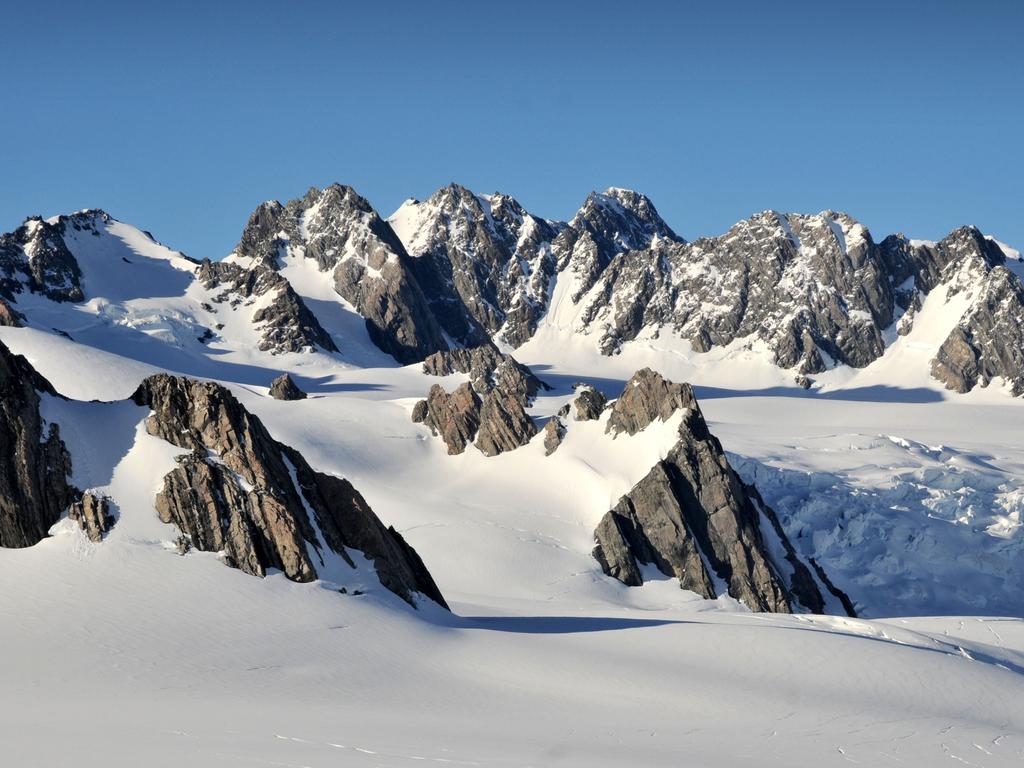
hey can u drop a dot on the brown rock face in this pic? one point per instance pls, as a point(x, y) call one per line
point(488, 369)
point(9, 316)
point(490, 410)
point(92, 513)
point(692, 513)
point(370, 268)
point(284, 388)
point(554, 431)
point(504, 423)
point(455, 417)
point(589, 404)
point(258, 501)
point(34, 462)
point(647, 397)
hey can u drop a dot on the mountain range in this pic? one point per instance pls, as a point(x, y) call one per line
point(373, 488)
point(811, 294)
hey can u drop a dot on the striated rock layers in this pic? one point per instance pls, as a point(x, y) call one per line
point(692, 518)
point(489, 410)
point(243, 494)
point(34, 463)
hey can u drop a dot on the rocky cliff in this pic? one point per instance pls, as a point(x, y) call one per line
point(35, 467)
point(242, 493)
point(489, 410)
point(691, 516)
point(346, 239)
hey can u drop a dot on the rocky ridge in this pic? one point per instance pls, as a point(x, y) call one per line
point(281, 316)
point(462, 270)
point(35, 467)
point(691, 516)
point(258, 502)
point(368, 265)
point(489, 410)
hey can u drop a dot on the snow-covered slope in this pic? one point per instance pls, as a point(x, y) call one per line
point(908, 495)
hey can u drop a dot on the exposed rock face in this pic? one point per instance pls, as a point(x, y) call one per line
point(242, 493)
point(589, 403)
point(647, 397)
point(92, 513)
point(455, 417)
point(693, 518)
point(283, 388)
point(988, 341)
point(285, 322)
point(504, 423)
point(805, 285)
point(370, 269)
point(608, 223)
point(554, 431)
point(35, 258)
point(34, 462)
point(491, 408)
point(483, 261)
point(488, 369)
point(10, 317)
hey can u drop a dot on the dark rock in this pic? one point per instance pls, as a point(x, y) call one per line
point(488, 369)
point(504, 423)
point(483, 263)
point(647, 397)
point(284, 388)
point(259, 502)
point(35, 257)
point(369, 266)
point(491, 408)
point(455, 417)
point(554, 431)
point(692, 509)
point(607, 224)
point(589, 403)
point(286, 323)
point(92, 513)
point(10, 317)
point(34, 463)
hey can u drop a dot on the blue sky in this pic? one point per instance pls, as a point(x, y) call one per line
point(181, 117)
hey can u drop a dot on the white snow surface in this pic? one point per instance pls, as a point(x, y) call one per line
point(124, 653)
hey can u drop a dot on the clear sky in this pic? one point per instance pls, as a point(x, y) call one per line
point(181, 117)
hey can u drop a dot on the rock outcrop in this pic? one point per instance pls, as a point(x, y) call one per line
point(693, 518)
point(488, 369)
point(489, 410)
point(589, 403)
point(35, 466)
point(455, 417)
point(242, 493)
point(92, 513)
point(647, 396)
point(284, 322)
point(10, 317)
point(284, 388)
point(554, 431)
point(366, 261)
point(35, 258)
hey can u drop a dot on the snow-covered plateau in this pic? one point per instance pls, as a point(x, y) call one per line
point(876, 414)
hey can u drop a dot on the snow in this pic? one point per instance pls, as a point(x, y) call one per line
point(910, 498)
